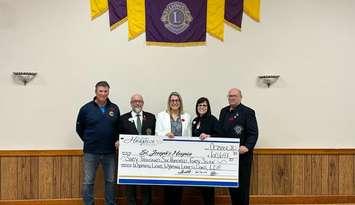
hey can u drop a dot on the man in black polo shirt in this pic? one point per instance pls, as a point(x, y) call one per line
point(97, 125)
point(239, 121)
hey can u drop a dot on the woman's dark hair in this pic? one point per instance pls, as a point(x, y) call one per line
point(202, 100)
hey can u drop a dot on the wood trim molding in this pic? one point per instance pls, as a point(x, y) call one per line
point(262, 151)
point(43, 202)
point(220, 200)
point(40, 153)
point(303, 151)
point(302, 199)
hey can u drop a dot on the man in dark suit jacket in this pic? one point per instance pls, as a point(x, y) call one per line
point(239, 121)
point(138, 122)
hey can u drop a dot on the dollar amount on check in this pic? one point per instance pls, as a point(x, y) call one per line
point(179, 161)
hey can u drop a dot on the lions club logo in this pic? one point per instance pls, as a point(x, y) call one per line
point(176, 17)
point(238, 129)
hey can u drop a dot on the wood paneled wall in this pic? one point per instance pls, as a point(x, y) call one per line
point(57, 174)
point(304, 174)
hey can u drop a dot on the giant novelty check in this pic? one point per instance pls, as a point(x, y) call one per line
point(179, 161)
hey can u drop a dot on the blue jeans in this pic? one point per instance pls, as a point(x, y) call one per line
point(91, 162)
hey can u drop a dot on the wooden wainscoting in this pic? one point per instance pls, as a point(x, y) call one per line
point(278, 176)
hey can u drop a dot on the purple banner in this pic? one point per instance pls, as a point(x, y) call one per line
point(234, 13)
point(117, 12)
point(176, 22)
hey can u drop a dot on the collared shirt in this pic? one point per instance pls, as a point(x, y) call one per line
point(103, 109)
point(134, 116)
point(230, 117)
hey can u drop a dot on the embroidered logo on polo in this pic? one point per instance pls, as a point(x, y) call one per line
point(176, 17)
point(238, 129)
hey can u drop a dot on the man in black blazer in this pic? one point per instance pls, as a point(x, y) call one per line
point(239, 121)
point(138, 122)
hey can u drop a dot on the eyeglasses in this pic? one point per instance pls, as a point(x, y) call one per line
point(232, 96)
point(202, 105)
point(174, 100)
point(137, 101)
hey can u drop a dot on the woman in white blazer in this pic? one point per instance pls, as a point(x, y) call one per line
point(173, 122)
point(169, 121)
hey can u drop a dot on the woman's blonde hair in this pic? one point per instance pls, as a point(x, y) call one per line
point(181, 109)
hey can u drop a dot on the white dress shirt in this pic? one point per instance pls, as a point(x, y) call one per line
point(134, 117)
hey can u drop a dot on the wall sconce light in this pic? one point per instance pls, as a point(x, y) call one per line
point(268, 79)
point(24, 77)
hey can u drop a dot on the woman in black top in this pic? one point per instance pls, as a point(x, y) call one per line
point(203, 126)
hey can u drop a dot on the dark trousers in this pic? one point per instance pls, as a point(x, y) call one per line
point(131, 194)
point(173, 195)
point(240, 195)
point(207, 195)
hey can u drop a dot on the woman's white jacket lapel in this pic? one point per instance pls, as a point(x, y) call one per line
point(163, 125)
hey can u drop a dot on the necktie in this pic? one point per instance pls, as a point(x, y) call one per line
point(139, 124)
